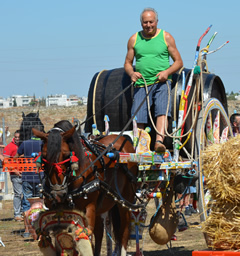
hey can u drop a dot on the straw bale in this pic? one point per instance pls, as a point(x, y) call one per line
point(222, 228)
point(221, 168)
point(221, 165)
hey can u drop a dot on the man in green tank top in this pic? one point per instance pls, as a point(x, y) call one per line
point(151, 49)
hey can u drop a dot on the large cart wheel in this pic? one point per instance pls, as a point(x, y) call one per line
point(213, 126)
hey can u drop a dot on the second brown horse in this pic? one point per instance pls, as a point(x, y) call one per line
point(71, 181)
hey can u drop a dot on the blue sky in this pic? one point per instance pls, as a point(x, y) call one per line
point(55, 46)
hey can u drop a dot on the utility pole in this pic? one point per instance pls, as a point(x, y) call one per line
point(45, 90)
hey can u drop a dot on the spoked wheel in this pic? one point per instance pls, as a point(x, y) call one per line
point(213, 126)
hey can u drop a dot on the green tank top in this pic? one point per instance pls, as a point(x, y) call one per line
point(151, 55)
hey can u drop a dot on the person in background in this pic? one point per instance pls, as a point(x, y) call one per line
point(235, 122)
point(7, 134)
point(16, 177)
point(30, 180)
point(189, 201)
point(2, 146)
point(1, 172)
point(152, 48)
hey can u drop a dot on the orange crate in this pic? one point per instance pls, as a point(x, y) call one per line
point(20, 164)
point(215, 253)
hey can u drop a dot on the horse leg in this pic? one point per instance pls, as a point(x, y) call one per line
point(123, 233)
point(90, 216)
point(125, 229)
point(121, 223)
point(98, 233)
point(108, 230)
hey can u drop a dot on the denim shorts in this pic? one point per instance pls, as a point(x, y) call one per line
point(158, 96)
point(191, 190)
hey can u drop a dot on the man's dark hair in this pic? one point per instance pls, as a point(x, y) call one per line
point(233, 118)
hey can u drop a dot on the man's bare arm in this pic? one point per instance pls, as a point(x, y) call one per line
point(176, 57)
point(128, 65)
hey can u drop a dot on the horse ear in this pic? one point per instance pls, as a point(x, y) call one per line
point(23, 115)
point(39, 134)
point(37, 114)
point(68, 134)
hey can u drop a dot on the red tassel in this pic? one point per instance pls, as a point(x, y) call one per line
point(59, 169)
point(74, 158)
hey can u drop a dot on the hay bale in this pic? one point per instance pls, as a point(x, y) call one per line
point(223, 228)
point(221, 167)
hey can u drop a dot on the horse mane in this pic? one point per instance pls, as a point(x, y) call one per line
point(54, 146)
point(74, 142)
point(30, 121)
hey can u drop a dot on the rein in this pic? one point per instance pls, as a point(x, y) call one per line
point(123, 91)
point(110, 146)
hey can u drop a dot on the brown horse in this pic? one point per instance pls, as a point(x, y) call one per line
point(72, 181)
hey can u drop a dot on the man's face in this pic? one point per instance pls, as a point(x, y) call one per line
point(237, 124)
point(17, 138)
point(149, 23)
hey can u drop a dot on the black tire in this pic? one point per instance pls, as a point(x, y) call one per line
point(210, 106)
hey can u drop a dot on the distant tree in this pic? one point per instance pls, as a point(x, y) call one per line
point(80, 102)
point(42, 102)
point(32, 103)
point(231, 97)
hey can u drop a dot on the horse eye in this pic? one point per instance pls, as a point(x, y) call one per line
point(66, 154)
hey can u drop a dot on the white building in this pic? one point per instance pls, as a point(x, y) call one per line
point(84, 100)
point(237, 97)
point(52, 100)
point(6, 103)
point(72, 100)
point(22, 101)
point(56, 100)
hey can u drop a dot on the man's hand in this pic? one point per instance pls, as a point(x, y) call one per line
point(135, 76)
point(162, 76)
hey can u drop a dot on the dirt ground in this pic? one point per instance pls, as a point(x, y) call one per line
point(187, 241)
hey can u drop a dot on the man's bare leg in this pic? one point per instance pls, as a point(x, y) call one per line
point(160, 124)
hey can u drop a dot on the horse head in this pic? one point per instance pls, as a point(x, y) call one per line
point(61, 162)
point(30, 121)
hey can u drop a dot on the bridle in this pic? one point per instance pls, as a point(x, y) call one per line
point(67, 168)
point(72, 159)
